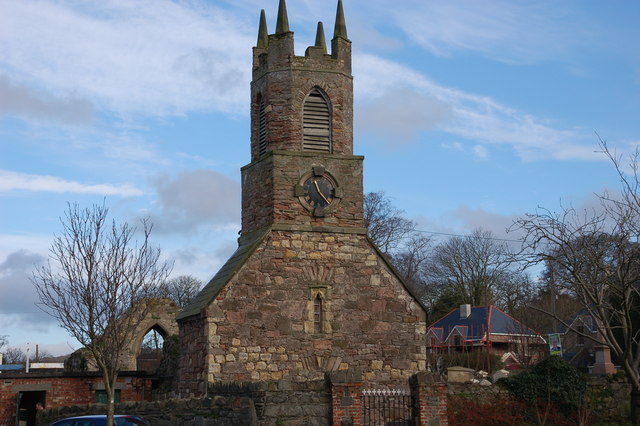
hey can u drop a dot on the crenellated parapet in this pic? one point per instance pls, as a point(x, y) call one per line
point(274, 51)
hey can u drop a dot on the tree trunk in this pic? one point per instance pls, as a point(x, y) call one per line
point(635, 405)
point(110, 409)
point(110, 385)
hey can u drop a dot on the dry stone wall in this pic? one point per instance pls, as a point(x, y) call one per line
point(213, 411)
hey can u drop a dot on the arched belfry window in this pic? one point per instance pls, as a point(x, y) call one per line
point(316, 122)
point(317, 314)
point(262, 127)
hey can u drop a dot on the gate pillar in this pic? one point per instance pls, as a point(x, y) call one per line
point(346, 397)
point(430, 399)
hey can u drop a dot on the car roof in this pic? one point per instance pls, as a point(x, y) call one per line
point(97, 416)
point(100, 418)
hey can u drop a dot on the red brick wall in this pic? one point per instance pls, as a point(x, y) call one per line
point(64, 391)
point(430, 396)
point(346, 404)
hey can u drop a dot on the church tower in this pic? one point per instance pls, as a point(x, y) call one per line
point(306, 292)
point(303, 172)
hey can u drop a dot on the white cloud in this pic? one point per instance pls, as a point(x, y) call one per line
point(27, 102)
point(398, 116)
point(146, 57)
point(12, 181)
point(473, 218)
point(19, 296)
point(195, 198)
point(508, 31)
point(480, 152)
point(473, 117)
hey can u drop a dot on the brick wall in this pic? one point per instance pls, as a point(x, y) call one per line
point(430, 398)
point(63, 391)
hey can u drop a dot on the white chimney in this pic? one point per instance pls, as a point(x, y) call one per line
point(0, 358)
point(465, 311)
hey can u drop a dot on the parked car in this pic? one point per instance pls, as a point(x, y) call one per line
point(101, 420)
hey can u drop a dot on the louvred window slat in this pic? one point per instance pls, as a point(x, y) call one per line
point(316, 122)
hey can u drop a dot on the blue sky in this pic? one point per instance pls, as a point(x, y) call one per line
point(469, 114)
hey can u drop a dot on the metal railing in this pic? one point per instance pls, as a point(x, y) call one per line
point(387, 407)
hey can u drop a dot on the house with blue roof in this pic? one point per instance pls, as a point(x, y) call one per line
point(468, 328)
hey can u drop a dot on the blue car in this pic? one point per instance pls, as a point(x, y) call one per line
point(97, 420)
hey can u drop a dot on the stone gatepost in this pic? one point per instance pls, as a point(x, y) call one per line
point(430, 399)
point(346, 397)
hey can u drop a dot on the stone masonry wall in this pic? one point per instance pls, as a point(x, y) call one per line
point(261, 323)
point(268, 191)
point(294, 403)
point(228, 404)
point(212, 411)
point(193, 357)
point(284, 80)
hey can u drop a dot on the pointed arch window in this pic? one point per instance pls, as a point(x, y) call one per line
point(316, 122)
point(317, 314)
point(262, 128)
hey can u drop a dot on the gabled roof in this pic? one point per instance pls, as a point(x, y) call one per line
point(481, 321)
point(582, 317)
point(437, 332)
point(246, 246)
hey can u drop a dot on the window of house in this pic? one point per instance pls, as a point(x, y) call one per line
point(457, 340)
point(316, 123)
point(101, 396)
point(580, 337)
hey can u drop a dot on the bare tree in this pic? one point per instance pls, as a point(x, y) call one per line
point(411, 262)
point(41, 355)
point(385, 223)
point(182, 289)
point(14, 356)
point(95, 285)
point(478, 268)
point(596, 257)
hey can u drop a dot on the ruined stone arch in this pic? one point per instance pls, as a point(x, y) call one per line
point(162, 318)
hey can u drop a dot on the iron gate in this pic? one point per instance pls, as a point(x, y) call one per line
point(387, 407)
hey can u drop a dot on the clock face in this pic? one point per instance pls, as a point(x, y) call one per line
point(319, 191)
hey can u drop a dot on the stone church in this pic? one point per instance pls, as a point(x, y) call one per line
point(306, 292)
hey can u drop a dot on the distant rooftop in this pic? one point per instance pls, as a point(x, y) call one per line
point(11, 367)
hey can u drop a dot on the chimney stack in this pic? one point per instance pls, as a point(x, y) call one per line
point(465, 311)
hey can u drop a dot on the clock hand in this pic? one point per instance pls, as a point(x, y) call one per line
point(315, 182)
